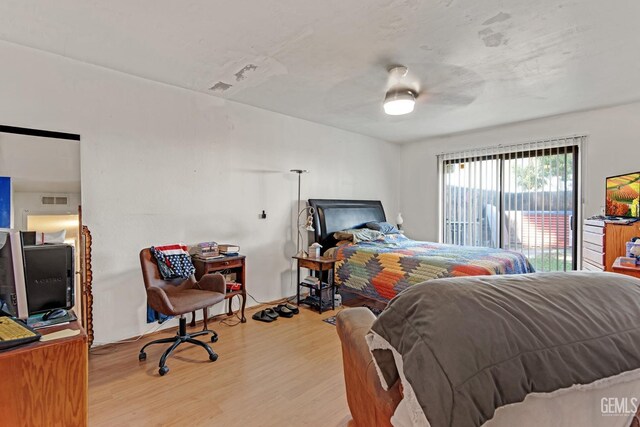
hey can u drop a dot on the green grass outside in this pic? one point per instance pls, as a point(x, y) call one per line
point(551, 261)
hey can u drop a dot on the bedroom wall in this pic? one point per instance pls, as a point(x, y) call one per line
point(611, 149)
point(162, 164)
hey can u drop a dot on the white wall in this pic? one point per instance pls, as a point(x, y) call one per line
point(162, 164)
point(611, 149)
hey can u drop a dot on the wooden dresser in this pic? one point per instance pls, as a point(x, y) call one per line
point(45, 383)
point(603, 243)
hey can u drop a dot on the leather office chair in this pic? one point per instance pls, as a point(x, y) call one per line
point(176, 298)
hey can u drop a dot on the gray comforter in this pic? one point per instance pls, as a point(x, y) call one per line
point(470, 345)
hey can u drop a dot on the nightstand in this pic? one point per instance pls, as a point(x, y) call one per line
point(321, 268)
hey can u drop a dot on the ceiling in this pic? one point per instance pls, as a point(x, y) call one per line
point(39, 164)
point(480, 63)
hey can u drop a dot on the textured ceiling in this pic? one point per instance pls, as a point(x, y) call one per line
point(479, 63)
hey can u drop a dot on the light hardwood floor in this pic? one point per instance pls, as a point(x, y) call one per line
point(288, 372)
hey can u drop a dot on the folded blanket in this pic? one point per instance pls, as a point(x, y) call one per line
point(465, 346)
point(174, 261)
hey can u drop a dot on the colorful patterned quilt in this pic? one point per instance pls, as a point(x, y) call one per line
point(382, 269)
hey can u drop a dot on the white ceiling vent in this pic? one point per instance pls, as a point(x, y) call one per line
point(55, 200)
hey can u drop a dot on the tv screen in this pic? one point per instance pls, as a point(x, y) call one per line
point(623, 195)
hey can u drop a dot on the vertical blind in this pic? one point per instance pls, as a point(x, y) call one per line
point(520, 197)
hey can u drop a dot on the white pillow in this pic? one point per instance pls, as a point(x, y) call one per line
point(54, 237)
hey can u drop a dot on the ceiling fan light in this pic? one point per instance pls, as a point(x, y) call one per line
point(401, 102)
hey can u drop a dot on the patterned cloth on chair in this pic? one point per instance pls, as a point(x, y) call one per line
point(174, 261)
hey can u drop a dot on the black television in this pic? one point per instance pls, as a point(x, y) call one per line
point(623, 195)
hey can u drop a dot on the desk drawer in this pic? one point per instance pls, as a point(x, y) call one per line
point(314, 265)
point(223, 265)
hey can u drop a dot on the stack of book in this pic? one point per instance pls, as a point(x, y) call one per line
point(313, 281)
point(229, 250)
point(206, 251)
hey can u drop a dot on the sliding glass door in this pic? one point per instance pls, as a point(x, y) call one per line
point(521, 198)
point(471, 201)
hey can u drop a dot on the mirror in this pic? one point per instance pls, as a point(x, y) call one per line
point(40, 170)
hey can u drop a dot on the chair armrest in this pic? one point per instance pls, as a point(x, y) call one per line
point(212, 282)
point(369, 403)
point(159, 301)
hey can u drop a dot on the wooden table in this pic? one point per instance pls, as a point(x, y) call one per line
point(45, 383)
point(318, 266)
point(623, 269)
point(235, 264)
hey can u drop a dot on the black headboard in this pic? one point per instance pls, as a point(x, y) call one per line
point(336, 215)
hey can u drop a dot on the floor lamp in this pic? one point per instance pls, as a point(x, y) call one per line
point(308, 225)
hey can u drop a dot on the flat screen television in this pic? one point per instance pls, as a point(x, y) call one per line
point(623, 195)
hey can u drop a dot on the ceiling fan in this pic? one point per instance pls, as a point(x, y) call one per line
point(401, 96)
point(431, 88)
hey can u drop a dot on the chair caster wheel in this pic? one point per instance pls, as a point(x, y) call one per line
point(214, 338)
point(142, 356)
point(162, 371)
point(213, 357)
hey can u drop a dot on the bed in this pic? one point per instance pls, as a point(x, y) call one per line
point(544, 349)
point(375, 272)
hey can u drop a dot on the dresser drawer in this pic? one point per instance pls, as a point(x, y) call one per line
point(593, 257)
point(587, 265)
point(593, 247)
point(594, 230)
point(593, 238)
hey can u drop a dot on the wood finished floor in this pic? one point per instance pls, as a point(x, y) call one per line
point(288, 372)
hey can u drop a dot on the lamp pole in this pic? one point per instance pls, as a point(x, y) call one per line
point(299, 172)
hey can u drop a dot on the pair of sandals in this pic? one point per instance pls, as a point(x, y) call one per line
point(281, 310)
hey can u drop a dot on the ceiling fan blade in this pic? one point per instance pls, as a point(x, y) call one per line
point(443, 98)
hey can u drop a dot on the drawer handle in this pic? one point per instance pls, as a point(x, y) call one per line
point(226, 263)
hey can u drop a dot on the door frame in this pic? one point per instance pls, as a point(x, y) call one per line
point(85, 234)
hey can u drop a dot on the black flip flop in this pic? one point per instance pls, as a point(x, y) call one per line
point(293, 308)
point(271, 313)
point(262, 317)
point(283, 311)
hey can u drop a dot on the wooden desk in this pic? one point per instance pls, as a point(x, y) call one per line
point(235, 264)
point(45, 383)
point(622, 269)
